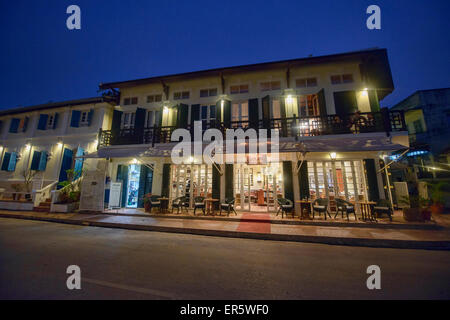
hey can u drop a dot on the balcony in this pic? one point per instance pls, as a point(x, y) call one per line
point(294, 127)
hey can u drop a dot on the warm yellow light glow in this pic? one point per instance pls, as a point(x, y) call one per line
point(364, 92)
point(289, 99)
point(221, 104)
point(166, 110)
point(27, 147)
point(191, 160)
point(134, 161)
point(333, 155)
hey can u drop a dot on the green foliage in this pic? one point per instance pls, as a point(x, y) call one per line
point(439, 191)
point(146, 198)
point(71, 190)
point(414, 201)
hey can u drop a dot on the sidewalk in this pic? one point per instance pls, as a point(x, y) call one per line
point(354, 236)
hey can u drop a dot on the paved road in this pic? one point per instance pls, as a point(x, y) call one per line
point(125, 264)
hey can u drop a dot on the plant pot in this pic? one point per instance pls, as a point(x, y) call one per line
point(426, 214)
point(14, 196)
point(147, 207)
point(437, 208)
point(412, 214)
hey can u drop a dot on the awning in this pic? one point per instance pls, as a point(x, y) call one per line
point(337, 143)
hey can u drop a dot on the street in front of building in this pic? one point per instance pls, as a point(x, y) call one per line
point(127, 264)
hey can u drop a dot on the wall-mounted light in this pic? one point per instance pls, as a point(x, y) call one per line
point(134, 161)
point(364, 92)
point(165, 110)
point(27, 147)
point(289, 99)
point(333, 155)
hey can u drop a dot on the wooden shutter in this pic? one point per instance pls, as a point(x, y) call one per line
point(345, 102)
point(35, 160)
point(372, 181)
point(43, 161)
point(66, 164)
point(166, 180)
point(303, 180)
point(12, 162)
point(287, 180)
point(25, 124)
point(141, 190)
point(229, 181)
point(182, 116)
point(14, 125)
point(42, 124)
point(89, 116)
point(226, 113)
point(75, 120)
point(55, 120)
point(373, 100)
point(5, 163)
point(322, 103)
point(215, 183)
point(253, 113)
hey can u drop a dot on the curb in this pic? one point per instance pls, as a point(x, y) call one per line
point(350, 224)
point(360, 242)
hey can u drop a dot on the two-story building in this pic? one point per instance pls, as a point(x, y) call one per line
point(326, 110)
point(49, 139)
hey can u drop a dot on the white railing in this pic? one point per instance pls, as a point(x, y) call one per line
point(43, 194)
point(56, 193)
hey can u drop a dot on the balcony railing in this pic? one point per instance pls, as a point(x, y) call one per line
point(294, 127)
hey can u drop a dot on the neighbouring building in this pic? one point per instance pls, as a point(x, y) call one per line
point(49, 139)
point(427, 117)
point(326, 110)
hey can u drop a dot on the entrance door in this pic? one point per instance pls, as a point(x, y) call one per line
point(134, 172)
point(257, 187)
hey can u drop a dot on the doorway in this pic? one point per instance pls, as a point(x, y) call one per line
point(134, 173)
point(257, 187)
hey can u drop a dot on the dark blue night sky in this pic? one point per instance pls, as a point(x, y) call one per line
point(42, 61)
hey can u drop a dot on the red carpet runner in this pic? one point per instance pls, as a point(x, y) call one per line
point(257, 226)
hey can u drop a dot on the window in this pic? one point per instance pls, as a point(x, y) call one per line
point(152, 118)
point(128, 120)
point(181, 95)
point(243, 88)
point(344, 78)
point(154, 98)
point(130, 101)
point(347, 78)
point(272, 85)
point(208, 92)
point(336, 80)
point(306, 82)
point(239, 114)
point(18, 125)
point(84, 118)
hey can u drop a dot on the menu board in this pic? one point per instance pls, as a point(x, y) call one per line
point(115, 195)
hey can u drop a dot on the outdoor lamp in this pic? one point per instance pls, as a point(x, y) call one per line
point(333, 155)
point(166, 110)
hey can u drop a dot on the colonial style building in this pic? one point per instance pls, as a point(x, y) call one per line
point(48, 139)
point(325, 109)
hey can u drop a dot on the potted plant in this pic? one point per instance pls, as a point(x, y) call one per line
point(69, 194)
point(438, 192)
point(418, 210)
point(17, 187)
point(147, 202)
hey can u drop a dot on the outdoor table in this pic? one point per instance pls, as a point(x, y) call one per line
point(164, 206)
point(366, 208)
point(307, 204)
point(209, 204)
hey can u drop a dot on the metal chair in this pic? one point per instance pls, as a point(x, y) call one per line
point(227, 205)
point(285, 206)
point(199, 202)
point(345, 206)
point(383, 206)
point(154, 202)
point(321, 206)
point(180, 202)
